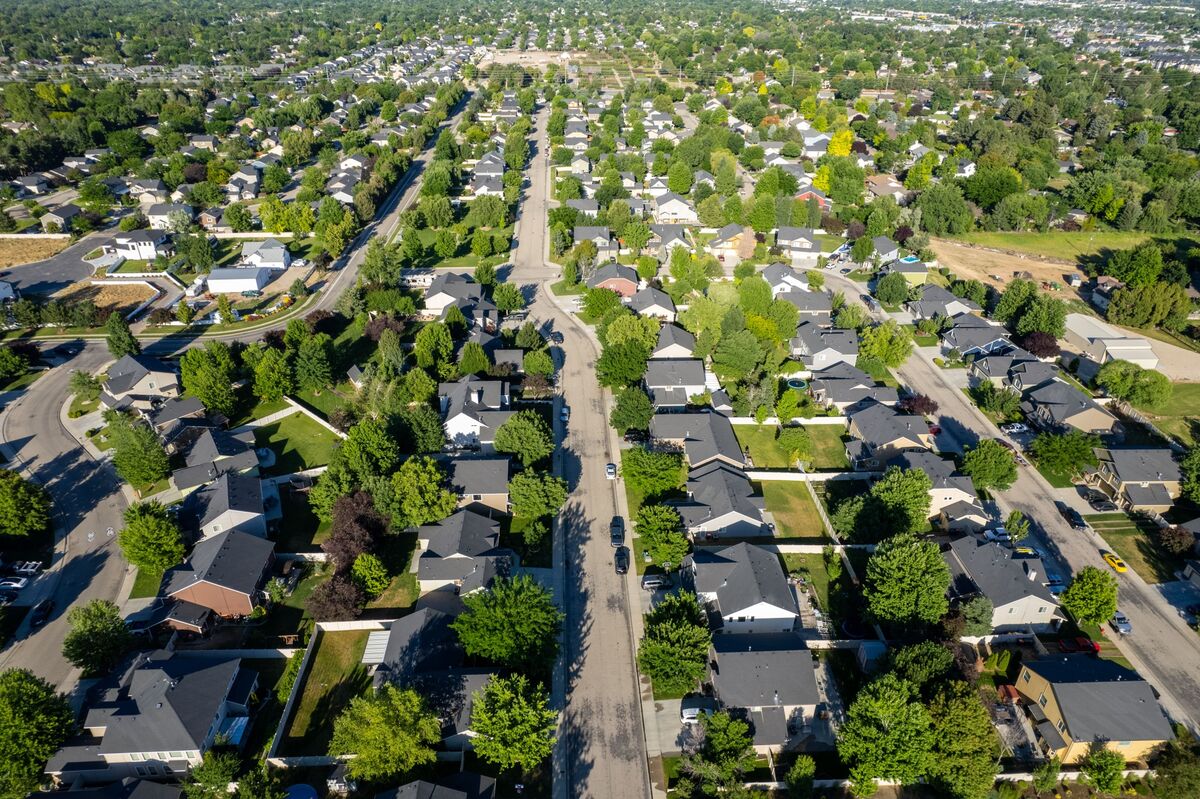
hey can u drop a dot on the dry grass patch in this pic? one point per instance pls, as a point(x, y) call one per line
point(107, 296)
point(25, 250)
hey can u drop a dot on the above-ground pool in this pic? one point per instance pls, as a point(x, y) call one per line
point(797, 384)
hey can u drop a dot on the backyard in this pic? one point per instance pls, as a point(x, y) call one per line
point(1180, 415)
point(827, 453)
point(796, 516)
point(810, 567)
point(299, 443)
point(335, 676)
point(300, 530)
point(1136, 541)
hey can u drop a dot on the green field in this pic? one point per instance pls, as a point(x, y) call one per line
point(1136, 541)
point(1180, 415)
point(1058, 244)
point(796, 515)
point(335, 676)
point(828, 452)
point(299, 444)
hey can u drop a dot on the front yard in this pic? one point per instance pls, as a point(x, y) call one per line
point(299, 443)
point(1136, 541)
point(335, 676)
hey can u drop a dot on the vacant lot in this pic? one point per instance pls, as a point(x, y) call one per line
point(107, 296)
point(299, 443)
point(796, 515)
point(1057, 243)
point(16, 251)
point(1180, 416)
point(1136, 541)
point(335, 676)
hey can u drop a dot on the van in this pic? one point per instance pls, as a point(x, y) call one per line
point(655, 582)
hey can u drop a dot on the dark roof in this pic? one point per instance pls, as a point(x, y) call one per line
point(233, 560)
point(462, 533)
point(479, 475)
point(176, 408)
point(212, 445)
point(613, 271)
point(717, 489)
point(1142, 465)
point(1059, 401)
point(940, 470)
point(988, 568)
point(741, 576)
point(673, 334)
point(463, 785)
point(704, 435)
point(1101, 700)
point(878, 425)
point(228, 492)
point(128, 370)
point(763, 669)
point(650, 297)
point(421, 641)
point(129, 788)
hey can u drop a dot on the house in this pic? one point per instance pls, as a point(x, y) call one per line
point(673, 342)
point(159, 718)
point(462, 552)
point(584, 206)
point(238, 280)
point(142, 245)
point(61, 218)
point(743, 589)
point(654, 303)
point(821, 347)
point(460, 785)
point(617, 277)
point(885, 186)
point(879, 434)
point(1144, 479)
point(473, 409)
point(607, 248)
point(1103, 289)
point(1057, 405)
point(721, 503)
point(34, 184)
point(842, 385)
point(994, 367)
point(974, 335)
point(783, 279)
point(1078, 701)
point(231, 502)
point(224, 573)
point(885, 249)
point(451, 288)
point(149, 190)
point(210, 452)
point(671, 209)
point(136, 381)
point(813, 194)
point(938, 303)
point(914, 271)
point(732, 244)
point(268, 254)
point(665, 238)
point(481, 484)
point(159, 214)
point(767, 679)
point(798, 245)
point(1015, 585)
point(1101, 343)
point(953, 500)
point(812, 306)
point(704, 437)
point(672, 382)
point(1029, 373)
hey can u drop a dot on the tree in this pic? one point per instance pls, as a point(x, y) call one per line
point(1177, 772)
point(977, 613)
point(622, 365)
point(800, 777)
point(1017, 526)
point(390, 732)
point(1043, 314)
point(631, 411)
point(1001, 402)
point(673, 652)
point(900, 500)
point(369, 450)
point(12, 364)
point(1159, 304)
point(1041, 345)
point(238, 217)
point(1091, 597)
point(539, 363)
point(535, 495)
point(650, 472)
point(514, 624)
point(472, 359)
point(209, 373)
point(513, 723)
point(862, 250)
point(795, 442)
point(597, 303)
point(1176, 539)
point(151, 538)
point(660, 530)
point(433, 345)
point(892, 289)
point(1144, 388)
point(420, 487)
point(965, 745)
point(525, 435)
point(210, 779)
point(1065, 453)
point(260, 782)
point(138, 456)
point(37, 721)
point(508, 297)
point(314, 367)
point(24, 506)
point(919, 404)
point(98, 637)
point(120, 340)
point(887, 735)
point(370, 575)
point(906, 581)
point(888, 343)
point(336, 599)
point(990, 465)
point(272, 376)
point(1103, 769)
point(943, 210)
point(922, 664)
point(726, 754)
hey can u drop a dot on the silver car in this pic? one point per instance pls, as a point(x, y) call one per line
point(1120, 623)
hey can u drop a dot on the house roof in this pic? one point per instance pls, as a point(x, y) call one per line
point(212, 445)
point(878, 425)
point(229, 492)
point(715, 490)
point(796, 235)
point(763, 669)
point(128, 370)
point(463, 533)
point(812, 338)
point(704, 435)
point(1142, 465)
point(935, 300)
point(1101, 700)
point(1060, 401)
point(461, 785)
point(972, 332)
point(649, 298)
point(479, 475)
point(458, 286)
point(613, 271)
point(674, 372)
point(174, 409)
point(233, 560)
point(669, 335)
point(986, 567)
point(940, 470)
point(741, 576)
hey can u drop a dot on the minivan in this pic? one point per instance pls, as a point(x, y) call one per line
point(655, 582)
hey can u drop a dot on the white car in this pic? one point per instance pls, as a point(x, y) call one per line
point(996, 534)
point(13, 583)
point(610, 471)
point(1015, 427)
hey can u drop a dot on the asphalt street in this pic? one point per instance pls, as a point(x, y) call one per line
point(59, 270)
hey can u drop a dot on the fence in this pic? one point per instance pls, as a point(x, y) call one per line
point(840, 421)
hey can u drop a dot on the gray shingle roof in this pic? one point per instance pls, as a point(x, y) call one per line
point(463, 785)
point(762, 670)
point(479, 475)
point(673, 372)
point(228, 492)
point(232, 559)
point(128, 370)
point(741, 576)
point(978, 566)
point(1059, 401)
point(878, 425)
point(704, 436)
point(715, 490)
point(673, 334)
point(1143, 465)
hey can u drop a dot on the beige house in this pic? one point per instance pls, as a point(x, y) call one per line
point(1137, 479)
point(1014, 583)
point(481, 484)
point(137, 381)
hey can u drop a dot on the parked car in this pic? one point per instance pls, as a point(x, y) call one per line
point(616, 531)
point(566, 414)
point(1114, 560)
point(636, 437)
point(610, 471)
point(621, 560)
point(1073, 517)
point(41, 613)
point(1017, 456)
point(997, 534)
point(692, 706)
point(935, 430)
point(1014, 427)
point(14, 583)
point(1100, 503)
point(1120, 623)
point(556, 337)
point(655, 582)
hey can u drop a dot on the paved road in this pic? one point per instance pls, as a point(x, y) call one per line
point(1162, 647)
point(601, 750)
point(59, 270)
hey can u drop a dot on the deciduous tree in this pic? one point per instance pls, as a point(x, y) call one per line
point(98, 637)
point(525, 435)
point(151, 538)
point(674, 650)
point(660, 530)
point(390, 732)
point(906, 581)
point(36, 721)
point(887, 735)
point(990, 465)
point(514, 624)
point(535, 495)
point(513, 723)
point(24, 506)
point(1092, 596)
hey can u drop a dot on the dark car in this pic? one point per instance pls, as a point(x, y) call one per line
point(556, 337)
point(636, 437)
point(1101, 504)
point(41, 613)
point(621, 560)
point(616, 531)
point(1073, 517)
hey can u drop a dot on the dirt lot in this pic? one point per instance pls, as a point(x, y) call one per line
point(975, 262)
point(15, 251)
point(124, 296)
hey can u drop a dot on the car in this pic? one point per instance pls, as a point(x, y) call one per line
point(616, 531)
point(1100, 503)
point(14, 583)
point(556, 337)
point(1120, 623)
point(846, 270)
point(635, 437)
point(1114, 560)
point(621, 560)
point(610, 471)
point(996, 534)
point(655, 582)
point(1067, 645)
point(41, 613)
point(831, 265)
point(1014, 427)
point(692, 706)
point(1055, 587)
point(566, 414)
point(1087, 645)
point(935, 430)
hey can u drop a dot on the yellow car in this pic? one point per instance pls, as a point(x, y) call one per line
point(1117, 564)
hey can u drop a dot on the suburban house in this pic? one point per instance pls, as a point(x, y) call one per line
point(654, 303)
point(1014, 584)
point(617, 277)
point(673, 342)
point(1144, 479)
point(238, 280)
point(460, 785)
point(671, 209)
point(1101, 343)
point(798, 245)
point(461, 552)
point(885, 249)
point(270, 254)
point(784, 279)
point(136, 381)
point(473, 410)
point(481, 483)
point(996, 367)
point(607, 248)
point(842, 385)
point(159, 214)
point(821, 347)
point(721, 503)
point(210, 452)
point(743, 589)
point(1077, 701)
point(732, 244)
point(879, 434)
point(811, 306)
point(1027, 373)
point(672, 382)
point(953, 501)
point(936, 302)
point(1056, 405)
point(664, 239)
point(231, 502)
point(159, 718)
point(768, 679)
point(885, 186)
point(704, 437)
point(224, 573)
point(142, 245)
point(973, 335)
point(451, 288)
point(62, 218)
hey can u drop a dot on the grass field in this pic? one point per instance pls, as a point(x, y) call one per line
point(335, 676)
point(15, 251)
point(1135, 540)
point(811, 568)
point(251, 408)
point(329, 400)
point(299, 443)
point(828, 452)
point(145, 584)
point(796, 516)
point(1056, 243)
point(1180, 415)
point(22, 381)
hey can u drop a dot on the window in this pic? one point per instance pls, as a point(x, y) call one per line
point(1041, 608)
point(176, 755)
point(151, 384)
point(741, 618)
point(1025, 675)
point(1124, 743)
point(141, 771)
point(216, 528)
point(1011, 611)
point(136, 757)
point(1042, 700)
point(476, 497)
point(1062, 726)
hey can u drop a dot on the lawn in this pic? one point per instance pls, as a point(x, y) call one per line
point(562, 288)
point(463, 258)
point(811, 568)
point(251, 409)
point(299, 444)
point(1055, 478)
point(828, 449)
point(1135, 540)
point(396, 552)
point(764, 449)
point(301, 530)
point(23, 381)
point(335, 676)
point(1057, 243)
point(135, 266)
point(796, 516)
point(1180, 415)
point(146, 584)
point(329, 400)
point(81, 407)
point(289, 616)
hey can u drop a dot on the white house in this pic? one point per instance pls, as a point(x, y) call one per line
point(672, 209)
point(269, 254)
point(745, 587)
point(142, 245)
point(238, 280)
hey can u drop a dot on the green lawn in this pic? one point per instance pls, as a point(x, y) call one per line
point(22, 381)
point(761, 442)
point(289, 617)
point(1136, 541)
point(396, 552)
point(137, 266)
point(146, 584)
point(861, 275)
point(251, 409)
point(811, 568)
point(1054, 478)
point(329, 400)
point(335, 676)
point(562, 288)
point(1180, 415)
point(80, 407)
point(299, 443)
point(1057, 243)
point(830, 243)
point(828, 449)
point(463, 258)
point(796, 516)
